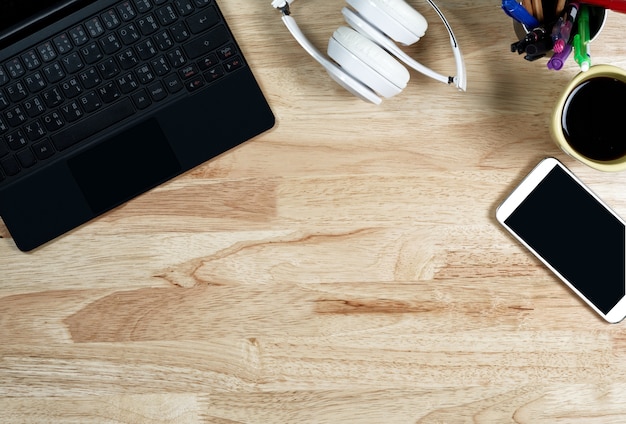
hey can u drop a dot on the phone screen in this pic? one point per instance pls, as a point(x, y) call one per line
point(577, 235)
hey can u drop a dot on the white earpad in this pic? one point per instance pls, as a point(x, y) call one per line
point(368, 62)
point(336, 73)
point(396, 18)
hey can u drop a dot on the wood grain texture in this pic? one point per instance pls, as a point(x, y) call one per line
point(345, 266)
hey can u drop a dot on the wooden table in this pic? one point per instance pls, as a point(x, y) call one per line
point(345, 266)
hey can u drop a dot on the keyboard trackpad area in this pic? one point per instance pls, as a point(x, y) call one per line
point(124, 166)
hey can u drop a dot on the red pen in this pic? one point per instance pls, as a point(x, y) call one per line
point(615, 5)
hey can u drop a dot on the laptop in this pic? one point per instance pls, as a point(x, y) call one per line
point(101, 101)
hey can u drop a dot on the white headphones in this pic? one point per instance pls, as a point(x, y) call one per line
point(363, 62)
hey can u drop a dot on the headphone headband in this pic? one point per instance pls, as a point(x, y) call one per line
point(374, 34)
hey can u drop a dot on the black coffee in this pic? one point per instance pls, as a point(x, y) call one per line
point(594, 119)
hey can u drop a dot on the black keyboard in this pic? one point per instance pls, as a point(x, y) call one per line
point(121, 62)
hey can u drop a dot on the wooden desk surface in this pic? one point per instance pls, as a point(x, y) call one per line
point(344, 267)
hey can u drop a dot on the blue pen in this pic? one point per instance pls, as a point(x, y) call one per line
point(518, 12)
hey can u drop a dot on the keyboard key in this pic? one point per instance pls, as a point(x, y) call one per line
point(189, 71)
point(127, 83)
point(62, 43)
point(160, 66)
point(90, 78)
point(34, 130)
point(54, 72)
point(207, 62)
point(233, 64)
point(126, 11)
point(35, 82)
point(93, 124)
point(143, 6)
point(146, 49)
point(203, 20)
point(166, 15)
point(91, 53)
point(4, 149)
point(72, 63)
point(10, 166)
point(108, 69)
point(205, 43)
point(43, 149)
point(53, 121)
point(157, 91)
point(147, 25)
point(180, 32)
point(15, 116)
point(173, 83)
point(110, 19)
point(78, 35)
point(71, 88)
point(145, 74)
point(4, 78)
point(16, 91)
point(94, 27)
point(183, 7)
point(110, 43)
point(52, 97)
point(176, 57)
point(34, 107)
point(26, 158)
point(226, 52)
point(194, 83)
point(16, 140)
point(109, 92)
point(127, 59)
point(47, 52)
point(4, 102)
point(163, 40)
point(30, 59)
point(90, 101)
point(15, 68)
point(71, 111)
point(214, 73)
point(129, 34)
point(141, 99)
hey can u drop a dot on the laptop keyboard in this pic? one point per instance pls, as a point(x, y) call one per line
point(126, 60)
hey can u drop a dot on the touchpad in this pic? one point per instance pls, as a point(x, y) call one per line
point(124, 166)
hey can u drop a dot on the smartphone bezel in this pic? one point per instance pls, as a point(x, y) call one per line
point(517, 196)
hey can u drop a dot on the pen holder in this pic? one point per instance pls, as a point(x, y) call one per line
point(597, 19)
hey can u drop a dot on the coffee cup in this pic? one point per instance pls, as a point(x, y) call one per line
point(588, 123)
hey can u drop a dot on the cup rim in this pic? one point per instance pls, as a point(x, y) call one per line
point(556, 127)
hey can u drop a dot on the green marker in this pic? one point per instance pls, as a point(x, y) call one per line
point(580, 40)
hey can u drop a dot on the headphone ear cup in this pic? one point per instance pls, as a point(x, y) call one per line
point(395, 18)
point(367, 62)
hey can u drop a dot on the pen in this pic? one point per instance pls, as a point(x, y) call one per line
point(563, 28)
point(615, 5)
point(538, 9)
point(535, 44)
point(581, 56)
point(557, 60)
point(519, 13)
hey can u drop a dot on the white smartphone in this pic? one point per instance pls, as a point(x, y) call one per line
point(573, 232)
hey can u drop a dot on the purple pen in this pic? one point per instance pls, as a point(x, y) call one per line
point(557, 60)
